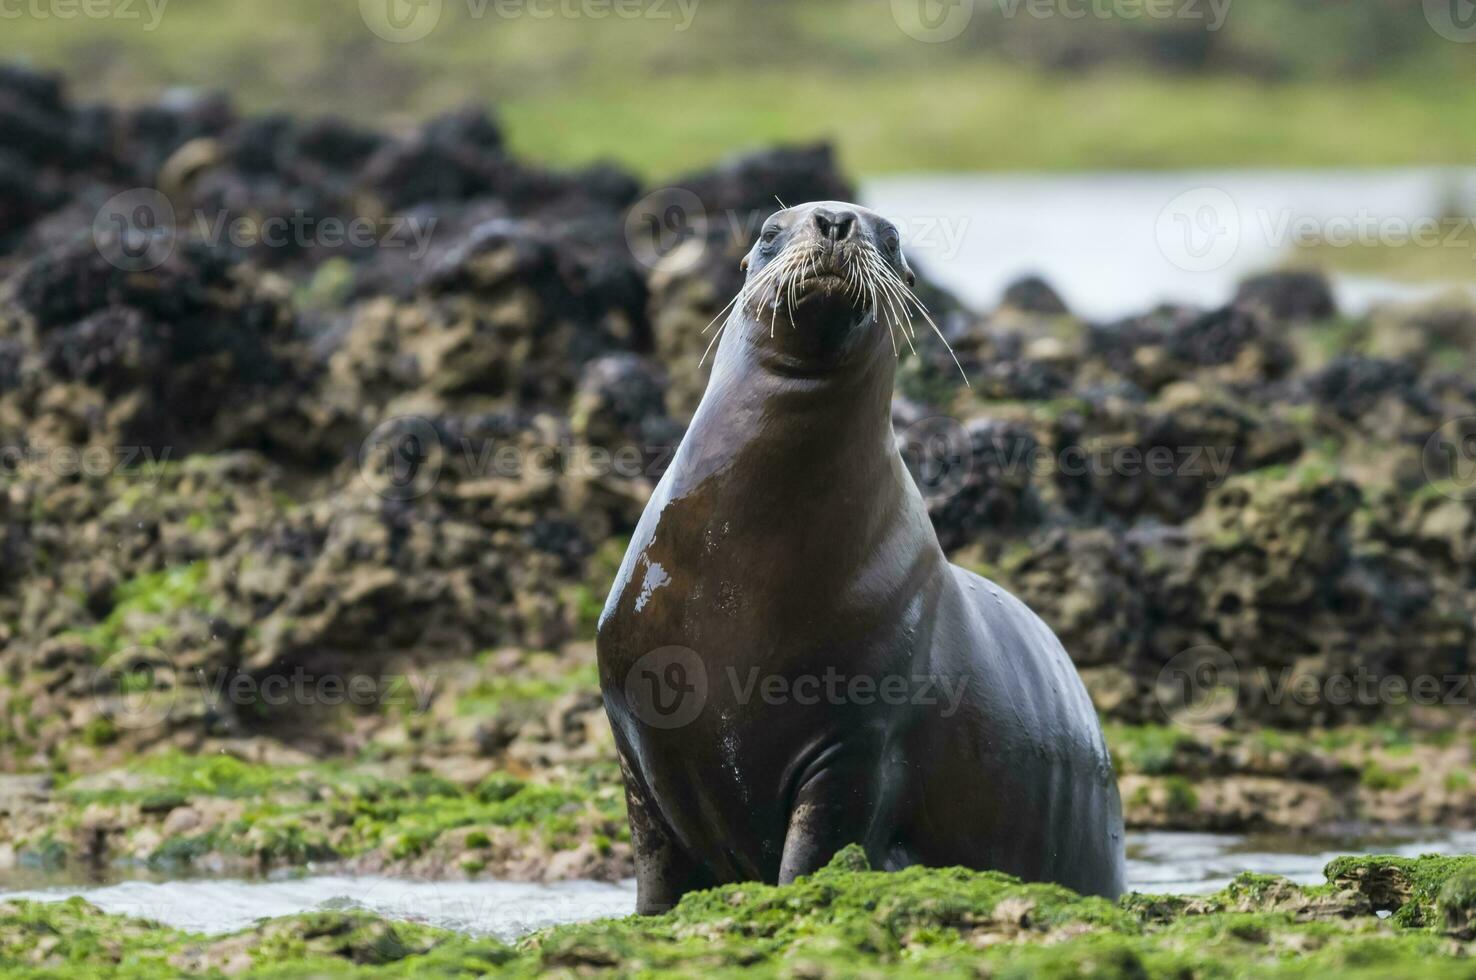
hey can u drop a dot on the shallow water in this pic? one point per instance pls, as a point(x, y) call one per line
point(495, 908)
point(1189, 863)
point(1116, 244)
point(1157, 862)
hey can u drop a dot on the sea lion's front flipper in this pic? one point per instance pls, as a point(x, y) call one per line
point(846, 802)
point(664, 870)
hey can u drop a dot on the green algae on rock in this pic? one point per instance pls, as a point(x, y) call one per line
point(172, 811)
point(843, 921)
point(517, 780)
point(1176, 778)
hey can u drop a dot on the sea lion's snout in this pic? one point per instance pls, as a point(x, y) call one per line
point(827, 249)
point(834, 225)
point(834, 273)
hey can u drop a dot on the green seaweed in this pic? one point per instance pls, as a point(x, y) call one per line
point(842, 921)
point(295, 814)
point(143, 606)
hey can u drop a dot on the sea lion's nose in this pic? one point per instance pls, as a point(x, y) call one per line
point(835, 225)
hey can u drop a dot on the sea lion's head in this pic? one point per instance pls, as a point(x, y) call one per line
point(823, 279)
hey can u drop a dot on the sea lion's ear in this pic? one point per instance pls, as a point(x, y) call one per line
point(743, 266)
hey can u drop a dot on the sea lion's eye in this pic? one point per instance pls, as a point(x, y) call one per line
point(892, 241)
point(770, 233)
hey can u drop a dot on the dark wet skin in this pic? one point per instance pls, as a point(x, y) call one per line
point(787, 545)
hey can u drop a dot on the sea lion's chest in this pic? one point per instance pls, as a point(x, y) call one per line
point(755, 571)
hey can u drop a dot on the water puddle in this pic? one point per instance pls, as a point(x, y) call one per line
point(1116, 244)
point(503, 909)
point(1187, 863)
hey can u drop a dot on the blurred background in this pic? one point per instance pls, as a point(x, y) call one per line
point(1079, 88)
point(995, 85)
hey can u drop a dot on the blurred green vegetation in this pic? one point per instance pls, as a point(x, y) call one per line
point(1281, 83)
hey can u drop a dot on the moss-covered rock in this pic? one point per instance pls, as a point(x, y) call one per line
point(513, 776)
point(172, 812)
point(843, 921)
point(1268, 779)
point(1410, 888)
point(1456, 903)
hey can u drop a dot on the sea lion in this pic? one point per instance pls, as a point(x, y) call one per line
point(789, 662)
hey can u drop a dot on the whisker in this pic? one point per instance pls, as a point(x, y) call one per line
point(808, 269)
point(732, 307)
point(895, 288)
point(889, 286)
point(880, 317)
point(785, 285)
point(726, 307)
point(891, 333)
point(921, 308)
point(789, 293)
point(748, 289)
point(892, 284)
point(712, 343)
point(896, 308)
point(877, 316)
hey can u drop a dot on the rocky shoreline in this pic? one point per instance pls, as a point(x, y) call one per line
point(551, 808)
point(202, 454)
point(302, 544)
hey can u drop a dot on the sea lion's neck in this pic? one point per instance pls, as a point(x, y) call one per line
point(789, 426)
point(789, 495)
